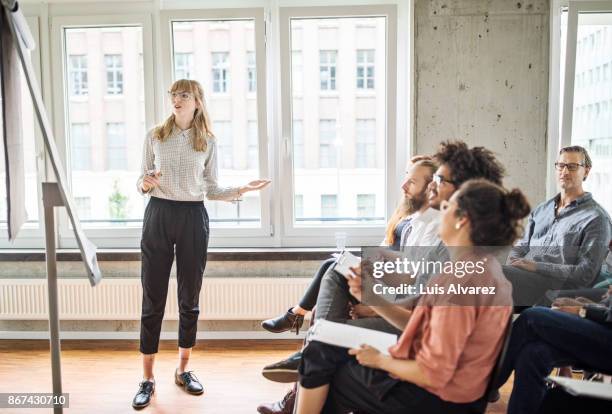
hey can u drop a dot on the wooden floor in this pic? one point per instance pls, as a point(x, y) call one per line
point(102, 376)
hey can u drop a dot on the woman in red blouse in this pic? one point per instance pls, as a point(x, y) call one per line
point(450, 342)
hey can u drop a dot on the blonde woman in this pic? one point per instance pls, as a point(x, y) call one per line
point(179, 169)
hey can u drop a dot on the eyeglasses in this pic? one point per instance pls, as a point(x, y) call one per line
point(439, 179)
point(183, 96)
point(571, 166)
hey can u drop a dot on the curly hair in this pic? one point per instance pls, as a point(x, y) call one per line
point(468, 163)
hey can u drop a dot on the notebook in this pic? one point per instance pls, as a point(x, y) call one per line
point(348, 336)
point(581, 388)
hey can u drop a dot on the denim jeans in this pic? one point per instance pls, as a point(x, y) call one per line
point(543, 339)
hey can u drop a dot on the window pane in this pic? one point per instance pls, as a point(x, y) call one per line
point(183, 65)
point(225, 65)
point(338, 132)
point(106, 123)
point(29, 163)
point(592, 118)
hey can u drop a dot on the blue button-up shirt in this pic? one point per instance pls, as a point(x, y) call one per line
point(571, 244)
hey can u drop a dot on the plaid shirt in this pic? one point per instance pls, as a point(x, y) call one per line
point(186, 174)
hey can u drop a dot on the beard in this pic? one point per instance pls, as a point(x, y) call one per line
point(413, 204)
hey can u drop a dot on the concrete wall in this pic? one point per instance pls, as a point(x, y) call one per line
point(482, 76)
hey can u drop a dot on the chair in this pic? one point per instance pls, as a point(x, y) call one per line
point(495, 382)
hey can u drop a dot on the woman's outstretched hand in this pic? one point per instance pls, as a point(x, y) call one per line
point(254, 186)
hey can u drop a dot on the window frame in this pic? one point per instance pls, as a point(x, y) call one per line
point(358, 234)
point(128, 236)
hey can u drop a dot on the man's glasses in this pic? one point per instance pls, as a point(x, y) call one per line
point(183, 96)
point(571, 166)
point(439, 179)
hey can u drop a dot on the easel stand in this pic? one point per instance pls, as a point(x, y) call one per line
point(52, 198)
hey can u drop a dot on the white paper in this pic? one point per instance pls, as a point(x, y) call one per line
point(348, 336)
point(345, 261)
point(584, 388)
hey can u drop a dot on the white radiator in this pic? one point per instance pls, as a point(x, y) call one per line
point(121, 299)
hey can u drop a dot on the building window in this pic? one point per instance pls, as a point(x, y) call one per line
point(329, 206)
point(81, 146)
point(183, 65)
point(252, 150)
point(223, 132)
point(366, 205)
point(327, 138)
point(327, 69)
point(114, 74)
point(365, 69)
point(220, 72)
point(365, 148)
point(251, 73)
point(298, 144)
point(78, 75)
point(116, 146)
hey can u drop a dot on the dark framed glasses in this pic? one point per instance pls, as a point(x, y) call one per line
point(439, 179)
point(571, 166)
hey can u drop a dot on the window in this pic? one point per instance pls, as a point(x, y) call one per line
point(365, 69)
point(251, 74)
point(183, 65)
point(366, 205)
point(327, 138)
point(297, 73)
point(298, 144)
point(365, 150)
point(329, 206)
point(114, 74)
point(336, 136)
point(587, 112)
point(252, 150)
point(81, 146)
point(231, 97)
point(327, 69)
point(298, 206)
point(116, 146)
point(223, 132)
point(220, 72)
point(78, 75)
point(104, 164)
point(83, 207)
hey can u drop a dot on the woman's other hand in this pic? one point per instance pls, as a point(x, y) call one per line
point(254, 186)
point(367, 356)
point(150, 181)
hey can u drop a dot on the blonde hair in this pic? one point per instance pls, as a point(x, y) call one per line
point(402, 210)
point(201, 123)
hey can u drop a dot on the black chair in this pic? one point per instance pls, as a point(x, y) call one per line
point(495, 382)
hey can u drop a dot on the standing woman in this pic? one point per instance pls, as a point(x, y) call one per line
point(179, 169)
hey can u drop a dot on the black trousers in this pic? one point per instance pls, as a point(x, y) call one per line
point(355, 387)
point(309, 299)
point(168, 227)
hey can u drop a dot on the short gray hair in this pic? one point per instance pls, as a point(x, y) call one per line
point(577, 148)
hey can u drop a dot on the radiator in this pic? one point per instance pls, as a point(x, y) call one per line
point(120, 299)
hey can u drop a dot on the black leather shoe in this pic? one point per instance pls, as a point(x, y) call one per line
point(286, 322)
point(189, 382)
point(285, 406)
point(285, 370)
point(144, 394)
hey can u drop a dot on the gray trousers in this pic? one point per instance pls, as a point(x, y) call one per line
point(333, 304)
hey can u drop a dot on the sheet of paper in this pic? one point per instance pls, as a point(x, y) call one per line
point(87, 248)
point(12, 132)
point(346, 261)
point(584, 388)
point(347, 336)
